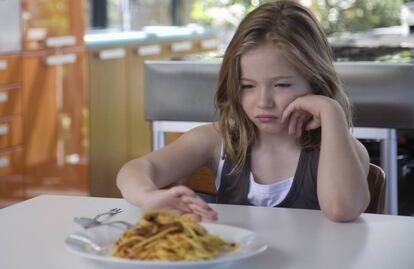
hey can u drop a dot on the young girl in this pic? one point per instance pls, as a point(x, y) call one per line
point(282, 136)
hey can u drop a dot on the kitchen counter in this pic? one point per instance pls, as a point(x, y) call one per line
point(153, 34)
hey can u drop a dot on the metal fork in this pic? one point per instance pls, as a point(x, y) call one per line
point(92, 222)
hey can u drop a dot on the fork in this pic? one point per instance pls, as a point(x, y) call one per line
point(92, 222)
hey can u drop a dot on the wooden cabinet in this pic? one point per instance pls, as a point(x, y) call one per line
point(108, 118)
point(52, 23)
point(11, 142)
point(119, 131)
point(55, 127)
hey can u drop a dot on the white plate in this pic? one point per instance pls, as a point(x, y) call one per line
point(95, 243)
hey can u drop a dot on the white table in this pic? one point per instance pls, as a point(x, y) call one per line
point(32, 235)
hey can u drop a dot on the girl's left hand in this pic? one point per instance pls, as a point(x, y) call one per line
point(304, 113)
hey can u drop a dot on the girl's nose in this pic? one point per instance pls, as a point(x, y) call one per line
point(265, 99)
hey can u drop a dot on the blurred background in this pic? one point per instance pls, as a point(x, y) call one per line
point(72, 80)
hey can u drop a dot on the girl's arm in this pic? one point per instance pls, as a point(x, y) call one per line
point(343, 163)
point(140, 180)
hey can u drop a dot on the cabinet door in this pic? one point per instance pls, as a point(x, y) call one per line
point(108, 117)
point(139, 135)
point(11, 176)
point(52, 23)
point(55, 123)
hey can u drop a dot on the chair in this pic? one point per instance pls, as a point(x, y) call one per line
point(376, 185)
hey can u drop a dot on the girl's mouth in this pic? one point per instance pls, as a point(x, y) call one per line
point(266, 118)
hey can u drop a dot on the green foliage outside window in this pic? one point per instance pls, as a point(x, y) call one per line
point(336, 16)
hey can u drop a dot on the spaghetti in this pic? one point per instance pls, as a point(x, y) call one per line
point(166, 236)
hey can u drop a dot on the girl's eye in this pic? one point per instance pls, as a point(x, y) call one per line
point(283, 85)
point(247, 86)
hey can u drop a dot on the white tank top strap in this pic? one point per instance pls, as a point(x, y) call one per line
point(220, 168)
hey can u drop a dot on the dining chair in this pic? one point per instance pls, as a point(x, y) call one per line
point(376, 184)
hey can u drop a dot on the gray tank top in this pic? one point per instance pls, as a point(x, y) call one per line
point(234, 188)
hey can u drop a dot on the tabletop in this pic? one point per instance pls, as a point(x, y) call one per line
point(32, 235)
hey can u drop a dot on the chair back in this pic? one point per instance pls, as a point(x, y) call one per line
point(376, 185)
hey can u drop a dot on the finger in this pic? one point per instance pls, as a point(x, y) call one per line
point(312, 124)
point(195, 217)
point(300, 126)
point(208, 214)
point(183, 190)
point(196, 200)
point(182, 206)
point(293, 122)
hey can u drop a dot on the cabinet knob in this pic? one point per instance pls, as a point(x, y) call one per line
point(149, 50)
point(60, 41)
point(4, 129)
point(209, 43)
point(181, 46)
point(61, 59)
point(111, 54)
point(4, 97)
point(3, 65)
point(4, 161)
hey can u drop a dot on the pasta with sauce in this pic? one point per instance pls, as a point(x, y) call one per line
point(167, 236)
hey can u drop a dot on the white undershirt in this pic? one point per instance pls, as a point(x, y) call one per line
point(267, 195)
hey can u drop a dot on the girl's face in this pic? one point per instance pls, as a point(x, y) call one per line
point(268, 84)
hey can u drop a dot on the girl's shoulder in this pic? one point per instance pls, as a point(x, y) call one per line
point(207, 138)
point(207, 133)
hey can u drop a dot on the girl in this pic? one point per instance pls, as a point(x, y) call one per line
point(282, 136)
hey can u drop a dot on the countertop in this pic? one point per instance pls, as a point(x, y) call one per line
point(108, 37)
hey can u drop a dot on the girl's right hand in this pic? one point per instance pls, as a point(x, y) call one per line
point(179, 198)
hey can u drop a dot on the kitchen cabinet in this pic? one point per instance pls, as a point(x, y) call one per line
point(52, 23)
point(11, 140)
point(108, 118)
point(54, 98)
point(55, 127)
point(119, 131)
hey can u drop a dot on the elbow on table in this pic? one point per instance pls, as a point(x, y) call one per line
point(339, 213)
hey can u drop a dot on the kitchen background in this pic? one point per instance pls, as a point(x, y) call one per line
point(72, 89)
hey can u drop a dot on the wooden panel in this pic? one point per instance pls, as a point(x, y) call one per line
point(139, 134)
point(55, 127)
point(108, 119)
point(10, 100)
point(48, 23)
point(11, 131)
point(11, 176)
point(10, 69)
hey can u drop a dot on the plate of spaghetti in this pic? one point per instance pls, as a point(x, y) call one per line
point(163, 239)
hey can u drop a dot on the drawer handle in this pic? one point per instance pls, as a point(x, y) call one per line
point(149, 50)
point(4, 97)
point(60, 41)
point(4, 129)
point(3, 65)
point(209, 43)
point(181, 46)
point(111, 54)
point(61, 59)
point(4, 161)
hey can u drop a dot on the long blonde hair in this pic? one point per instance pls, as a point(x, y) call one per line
point(292, 28)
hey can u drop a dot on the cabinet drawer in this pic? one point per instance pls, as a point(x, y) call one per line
point(11, 132)
point(10, 101)
point(11, 162)
point(11, 177)
point(10, 69)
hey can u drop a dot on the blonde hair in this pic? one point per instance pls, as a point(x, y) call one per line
point(292, 28)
